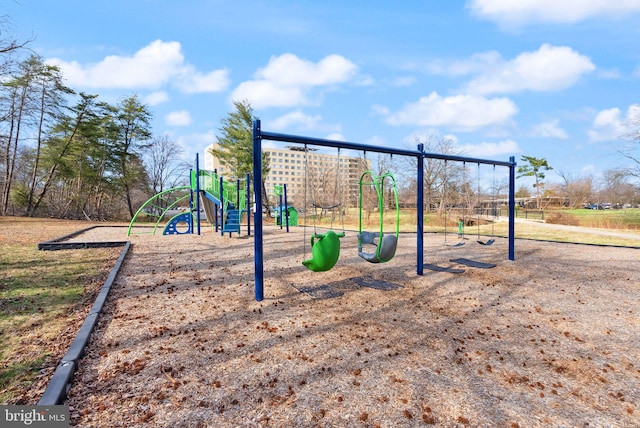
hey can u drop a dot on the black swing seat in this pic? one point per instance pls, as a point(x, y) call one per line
point(489, 242)
point(387, 250)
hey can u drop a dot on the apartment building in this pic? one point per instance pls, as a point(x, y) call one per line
point(330, 179)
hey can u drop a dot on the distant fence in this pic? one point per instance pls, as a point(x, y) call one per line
point(524, 213)
point(492, 213)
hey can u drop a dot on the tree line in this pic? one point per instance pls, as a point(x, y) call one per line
point(67, 154)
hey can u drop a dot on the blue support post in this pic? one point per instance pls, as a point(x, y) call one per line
point(512, 208)
point(237, 193)
point(192, 202)
point(420, 212)
point(221, 206)
point(197, 175)
point(280, 210)
point(216, 209)
point(257, 184)
point(248, 187)
point(286, 206)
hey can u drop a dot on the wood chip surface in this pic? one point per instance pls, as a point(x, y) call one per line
point(550, 339)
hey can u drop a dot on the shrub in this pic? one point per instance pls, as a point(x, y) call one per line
point(562, 218)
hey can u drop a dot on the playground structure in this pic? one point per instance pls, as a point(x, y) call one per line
point(419, 155)
point(178, 211)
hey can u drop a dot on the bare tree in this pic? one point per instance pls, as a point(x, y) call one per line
point(9, 46)
point(324, 187)
point(616, 188)
point(164, 166)
point(579, 191)
point(632, 150)
point(439, 176)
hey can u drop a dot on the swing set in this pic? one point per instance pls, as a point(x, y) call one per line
point(327, 245)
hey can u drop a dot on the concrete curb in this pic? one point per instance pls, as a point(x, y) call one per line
point(58, 387)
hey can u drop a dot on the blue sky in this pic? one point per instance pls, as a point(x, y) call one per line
point(544, 78)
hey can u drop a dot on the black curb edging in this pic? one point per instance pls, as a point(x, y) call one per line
point(60, 244)
point(60, 382)
point(48, 245)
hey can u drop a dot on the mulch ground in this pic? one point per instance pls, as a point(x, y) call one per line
point(550, 339)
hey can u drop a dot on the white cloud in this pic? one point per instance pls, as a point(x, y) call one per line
point(608, 117)
point(376, 140)
point(365, 80)
point(289, 81)
point(196, 82)
point(485, 150)
point(153, 66)
point(296, 118)
point(550, 130)
point(548, 68)
point(377, 109)
point(610, 124)
point(607, 126)
point(197, 142)
point(262, 93)
point(156, 98)
point(289, 70)
point(336, 136)
point(465, 112)
point(612, 73)
point(512, 14)
point(430, 137)
point(404, 81)
point(178, 118)
point(482, 62)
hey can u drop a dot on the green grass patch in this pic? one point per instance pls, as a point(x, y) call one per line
point(605, 219)
point(44, 296)
point(538, 231)
point(18, 376)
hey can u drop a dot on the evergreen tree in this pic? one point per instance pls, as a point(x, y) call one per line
point(535, 167)
point(129, 131)
point(49, 105)
point(235, 142)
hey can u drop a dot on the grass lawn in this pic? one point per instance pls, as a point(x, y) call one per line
point(616, 219)
point(44, 296)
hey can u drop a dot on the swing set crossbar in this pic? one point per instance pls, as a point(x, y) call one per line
point(419, 155)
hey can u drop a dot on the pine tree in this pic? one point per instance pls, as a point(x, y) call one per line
point(235, 142)
point(535, 168)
